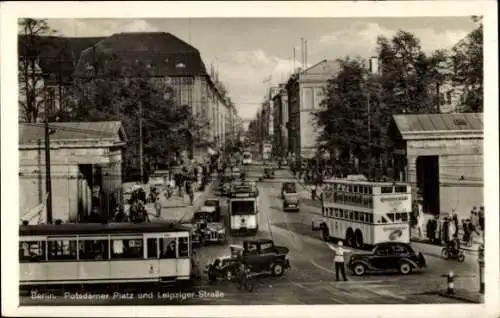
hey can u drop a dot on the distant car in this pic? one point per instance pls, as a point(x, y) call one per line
point(387, 257)
point(268, 173)
point(288, 187)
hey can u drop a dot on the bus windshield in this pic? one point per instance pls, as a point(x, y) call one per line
point(242, 207)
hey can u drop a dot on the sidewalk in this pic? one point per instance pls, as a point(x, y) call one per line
point(176, 209)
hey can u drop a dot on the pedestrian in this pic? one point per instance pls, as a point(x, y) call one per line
point(465, 228)
point(455, 222)
point(481, 218)
point(339, 260)
point(313, 192)
point(472, 233)
point(437, 230)
point(420, 225)
point(474, 216)
point(444, 231)
point(158, 207)
point(190, 190)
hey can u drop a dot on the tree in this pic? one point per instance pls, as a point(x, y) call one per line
point(108, 87)
point(31, 79)
point(467, 63)
point(342, 120)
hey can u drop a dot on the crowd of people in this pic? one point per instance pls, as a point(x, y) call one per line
point(451, 228)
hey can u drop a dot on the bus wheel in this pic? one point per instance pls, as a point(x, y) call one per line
point(349, 237)
point(324, 233)
point(358, 239)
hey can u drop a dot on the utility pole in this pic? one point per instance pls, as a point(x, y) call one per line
point(140, 143)
point(48, 179)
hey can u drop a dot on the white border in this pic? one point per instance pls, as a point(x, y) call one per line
point(8, 18)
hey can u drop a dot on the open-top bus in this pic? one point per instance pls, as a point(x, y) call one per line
point(113, 253)
point(244, 208)
point(365, 213)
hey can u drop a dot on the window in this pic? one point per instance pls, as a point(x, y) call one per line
point(401, 189)
point(370, 218)
point(152, 244)
point(356, 189)
point(404, 217)
point(356, 216)
point(168, 248)
point(362, 216)
point(266, 247)
point(382, 250)
point(127, 249)
point(242, 207)
point(386, 189)
point(398, 216)
point(32, 251)
point(398, 249)
point(337, 213)
point(62, 250)
point(369, 190)
point(391, 216)
point(448, 97)
point(94, 250)
point(252, 248)
point(183, 247)
point(350, 215)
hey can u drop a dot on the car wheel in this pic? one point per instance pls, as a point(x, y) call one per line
point(359, 269)
point(405, 268)
point(461, 257)
point(444, 253)
point(278, 270)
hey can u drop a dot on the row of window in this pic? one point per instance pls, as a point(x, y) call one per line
point(364, 217)
point(363, 189)
point(114, 249)
point(363, 200)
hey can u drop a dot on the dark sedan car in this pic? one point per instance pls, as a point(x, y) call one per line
point(387, 257)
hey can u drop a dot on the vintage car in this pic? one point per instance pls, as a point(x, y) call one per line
point(262, 257)
point(215, 203)
point(208, 221)
point(387, 257)
point(268, 173)
point(224, 267)
point(290, 196)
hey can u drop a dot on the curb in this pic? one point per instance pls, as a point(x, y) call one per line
point(463, 296)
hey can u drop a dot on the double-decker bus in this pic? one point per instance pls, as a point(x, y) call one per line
point(244, 208)
point(365, 213)
point(113, 253)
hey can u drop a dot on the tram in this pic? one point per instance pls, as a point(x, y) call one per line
point(90, 253)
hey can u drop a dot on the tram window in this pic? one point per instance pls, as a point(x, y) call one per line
point(61, 250)
point(351, 216)
point(32, 251)
point(127, 249)
point(152, 247)
point(386, 190)
point(168, 248)
point(337, 213)
point(183, 247)
point(362, 216)
point(369, 190)
point(391, 216)
point(382, 219)
point(370, 217)
point(93, 250)
point(401, 189)
point(404, 217)
point(356, 216)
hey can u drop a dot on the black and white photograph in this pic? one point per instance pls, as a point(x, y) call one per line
point(227, 160)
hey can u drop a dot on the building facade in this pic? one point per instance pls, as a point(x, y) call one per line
point(441, 156)
point(280, 102)
point(84, 157)
point(306, 90)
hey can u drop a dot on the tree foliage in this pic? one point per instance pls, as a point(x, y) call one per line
point(467, 63)
point(107, 87)
point(358, 106)
point(31, 76)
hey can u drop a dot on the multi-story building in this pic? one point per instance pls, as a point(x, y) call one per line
point(280, 102)
point(306, 90)
point(173, 64)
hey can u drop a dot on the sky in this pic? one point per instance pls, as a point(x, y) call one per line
point(246, 51)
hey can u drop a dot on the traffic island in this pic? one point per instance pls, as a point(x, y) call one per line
point(463, 295)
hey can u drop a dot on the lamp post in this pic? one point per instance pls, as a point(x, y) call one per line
point(481, 269)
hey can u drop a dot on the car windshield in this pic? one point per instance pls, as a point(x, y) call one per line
point(289, 188)
point(242, 207)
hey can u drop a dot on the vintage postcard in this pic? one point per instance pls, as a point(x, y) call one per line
point(206, 159)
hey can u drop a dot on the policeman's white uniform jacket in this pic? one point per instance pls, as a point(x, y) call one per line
point(339, 253)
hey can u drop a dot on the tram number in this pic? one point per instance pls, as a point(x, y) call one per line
point(151, 269)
